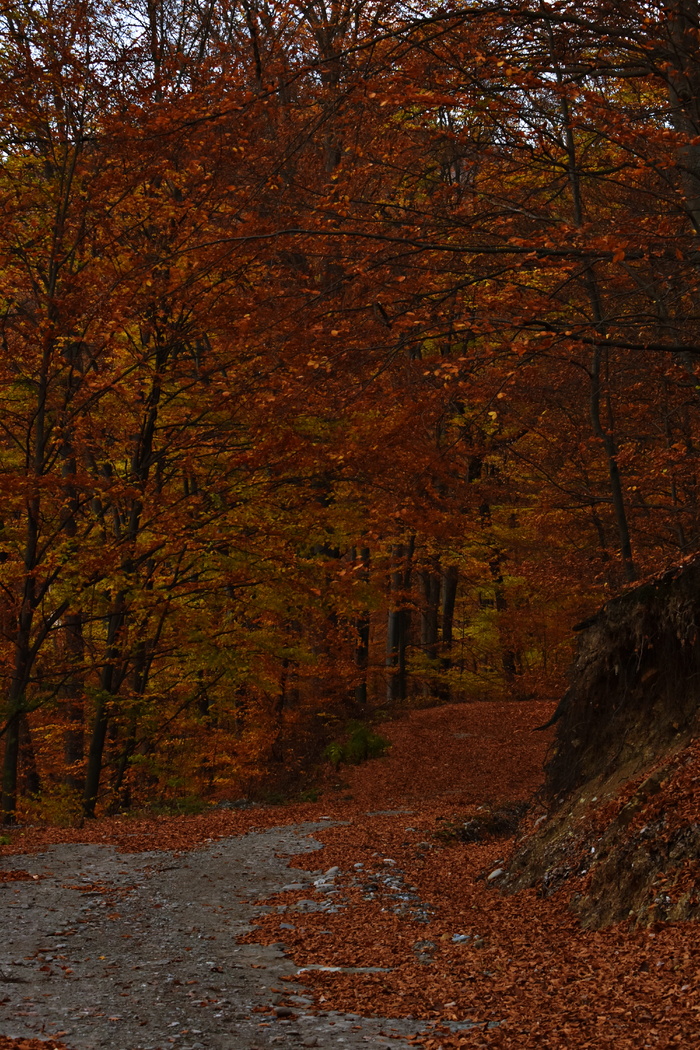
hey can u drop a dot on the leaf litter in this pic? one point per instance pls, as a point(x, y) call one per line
point(407, 924)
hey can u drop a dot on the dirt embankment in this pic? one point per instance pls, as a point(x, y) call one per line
point(622, 834)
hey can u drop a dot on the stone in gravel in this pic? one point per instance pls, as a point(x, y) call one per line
point(306, 905)
point(495, 874)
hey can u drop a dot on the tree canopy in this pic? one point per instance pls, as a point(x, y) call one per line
point(350, 358)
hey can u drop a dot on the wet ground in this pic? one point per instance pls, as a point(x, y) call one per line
point(141, 951)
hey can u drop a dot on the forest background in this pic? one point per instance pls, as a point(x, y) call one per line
point(349, 358)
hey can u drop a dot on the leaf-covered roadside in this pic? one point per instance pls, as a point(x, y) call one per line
point(527, 964)
point(521, 961)
point(30, 1044)
point(450, 946)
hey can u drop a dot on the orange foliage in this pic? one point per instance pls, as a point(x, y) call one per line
point(349, 360)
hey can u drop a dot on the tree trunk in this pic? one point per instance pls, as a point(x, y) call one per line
point(108, 686)
point(610, 446)
point(683, 74)
point(509, 658)
point(362, 626)
point(450, 580)
point(399, 622)
point(591, 285)
point(30, 779)
point(73, 689)
point(24, 660)
point(9, 769)
point(429, 638)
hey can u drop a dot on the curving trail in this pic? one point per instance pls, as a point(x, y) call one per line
point(355, 922)
point(141, 950)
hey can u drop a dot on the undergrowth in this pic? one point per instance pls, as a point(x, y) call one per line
point(361, 744)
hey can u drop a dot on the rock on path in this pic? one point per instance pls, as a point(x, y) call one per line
point(140, 951)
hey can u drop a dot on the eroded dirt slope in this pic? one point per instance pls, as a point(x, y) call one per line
point(622, 838)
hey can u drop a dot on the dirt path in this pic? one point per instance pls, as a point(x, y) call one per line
point(356, 922)
point(141, 950)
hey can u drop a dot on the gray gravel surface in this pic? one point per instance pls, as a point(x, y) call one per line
point(139, 951)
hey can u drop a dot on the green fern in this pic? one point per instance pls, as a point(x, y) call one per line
point(334, 754)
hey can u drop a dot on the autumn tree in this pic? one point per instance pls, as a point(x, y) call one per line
point(350, 356)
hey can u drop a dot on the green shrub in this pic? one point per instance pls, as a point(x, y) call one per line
point(334, 753)
point(362, 743)
point(185, 806)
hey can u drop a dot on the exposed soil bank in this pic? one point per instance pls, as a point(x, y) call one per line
point(622, 836)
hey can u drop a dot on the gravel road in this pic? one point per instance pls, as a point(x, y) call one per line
point(139, 951)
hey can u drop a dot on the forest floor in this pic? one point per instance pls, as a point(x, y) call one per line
point(193, 932)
